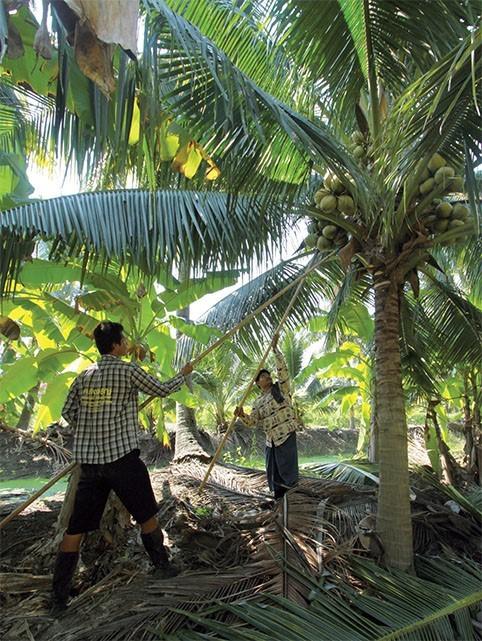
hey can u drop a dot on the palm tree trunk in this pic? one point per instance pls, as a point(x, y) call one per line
point(476, 427)
point(469, 438)
point(448, 463)
point(373, 454)
point(188, 443)
point(393, 519)
point(65, 512)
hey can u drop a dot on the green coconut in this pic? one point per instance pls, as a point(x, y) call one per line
point(358, 138)
point(311, 240)
point(435, 162)
point(346, 205)
point(328, 203)
point(457, 185)
point(453, 224)
point(312, 227)
point(427, 186)
point(443, 175)
point(321, 193)
point(359, 151)
point(323, 243)
point(425, 175)
point(337, 186)
point(460, 212)
point(441, 225)
point(329, 231)
point(327, 181)
point(431, 218)
point(444, 210)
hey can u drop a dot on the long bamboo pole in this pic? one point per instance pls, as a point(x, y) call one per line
point(38, 493)
point(301, 281)
point(245, 321)
point(196, 360)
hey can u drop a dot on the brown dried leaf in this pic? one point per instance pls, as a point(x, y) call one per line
point(414, 281)
point(94, 58)
point(347, 252)
point(9, 328)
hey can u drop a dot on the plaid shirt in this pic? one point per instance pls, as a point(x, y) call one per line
point(102, 408)
point(278, 420)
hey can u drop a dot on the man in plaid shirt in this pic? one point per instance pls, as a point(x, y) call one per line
point(102, 408)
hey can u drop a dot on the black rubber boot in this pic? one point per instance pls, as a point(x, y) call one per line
point(154, 544)
point(64, 570)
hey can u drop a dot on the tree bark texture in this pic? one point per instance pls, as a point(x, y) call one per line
point(469, 437)
point(373, 454)
point(188, 443)
point(393, 519)
point(65, 511)
point(476, 428)
point(449, 465)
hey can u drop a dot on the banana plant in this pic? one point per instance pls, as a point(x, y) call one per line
point(344, 379)
point(56, 326)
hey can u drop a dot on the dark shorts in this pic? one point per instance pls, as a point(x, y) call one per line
point(282, 465)
point(127, 477)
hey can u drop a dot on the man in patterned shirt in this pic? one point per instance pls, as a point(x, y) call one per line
point(102, 409)
point(273, 412)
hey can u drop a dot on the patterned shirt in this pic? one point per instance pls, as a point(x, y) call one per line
point(278, 420)
point(101, 407)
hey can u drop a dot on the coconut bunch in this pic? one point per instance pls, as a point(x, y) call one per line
point(331, 197)
point(444, 216)
point(439, 176)
point(440, 215)
point(360, 146)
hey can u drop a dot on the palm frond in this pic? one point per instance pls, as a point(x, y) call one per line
point(355, 288)
point(327, 40)
point(149, 229)
point(242, 33)
point(469, 501)
point(457, 323)
point(354, 473)
point(417, 347)
point(443, 107)
point(293, 347)
point(233, 308)
point(235, 118)
point(393, 609)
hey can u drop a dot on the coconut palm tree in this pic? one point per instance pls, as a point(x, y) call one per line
point(275, 90)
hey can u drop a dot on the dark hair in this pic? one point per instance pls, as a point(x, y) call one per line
point(275, 388)
point(261, 371)
point(106, 335)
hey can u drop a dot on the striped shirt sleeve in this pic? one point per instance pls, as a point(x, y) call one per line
point(146, 383)
point(282, 372)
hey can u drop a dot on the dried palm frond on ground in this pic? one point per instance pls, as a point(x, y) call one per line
point(232, 543)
